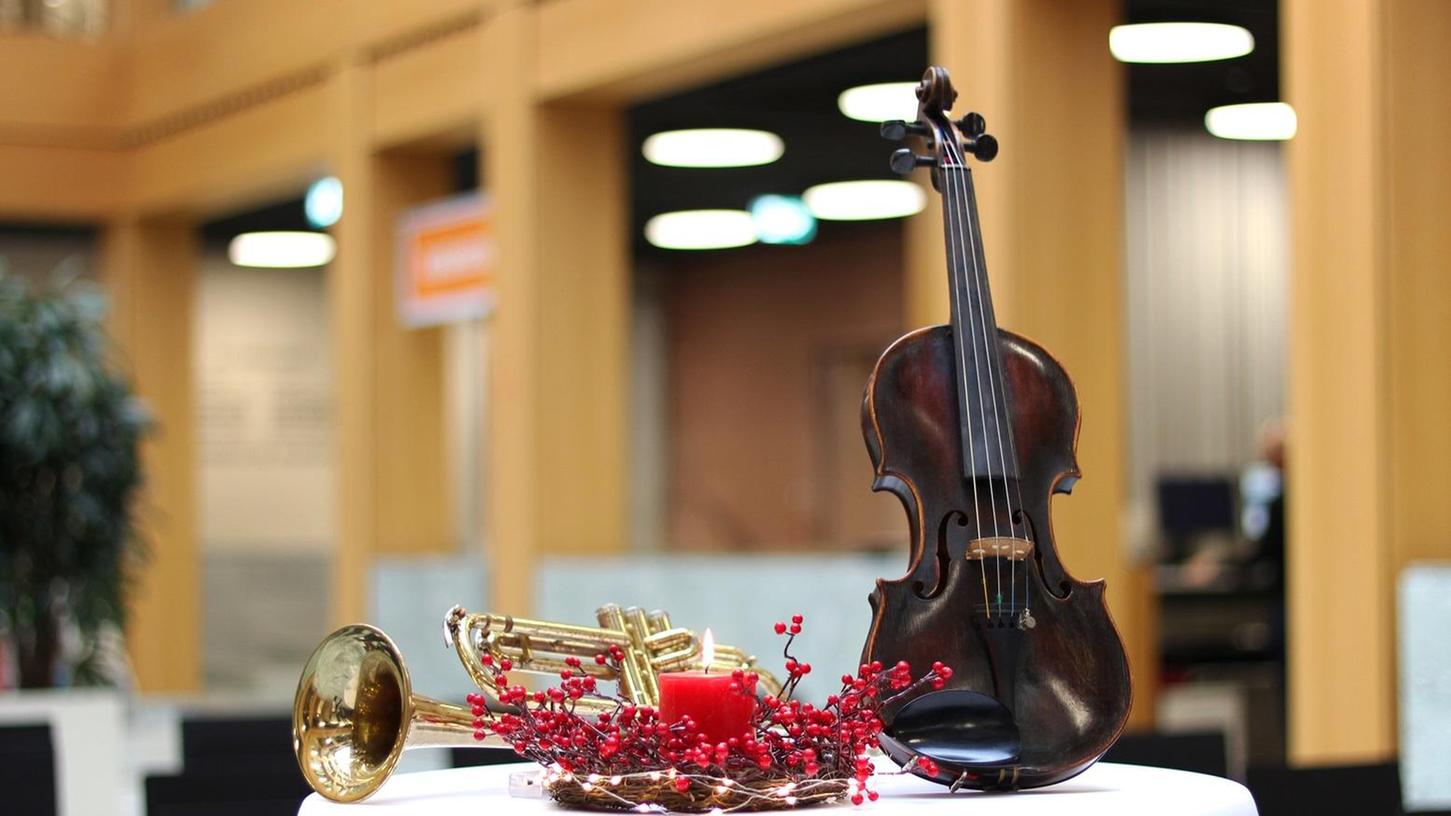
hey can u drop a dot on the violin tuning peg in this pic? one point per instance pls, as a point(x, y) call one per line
point(973, 125)
point(904, 161)
point(896, 130)
point(984, 147)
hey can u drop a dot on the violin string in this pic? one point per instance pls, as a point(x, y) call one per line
point(955, 250)
point(994, 375)
point(958, 188)
point(1017, 487)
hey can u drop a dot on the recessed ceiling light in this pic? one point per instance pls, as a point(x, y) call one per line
point(324, 202)
point(864, 200)
point(879, 102)
point(701, 229)
point(282, 249)
point(1259, 121)
point(782, 220)
point(1179, 42)
point(713, 147)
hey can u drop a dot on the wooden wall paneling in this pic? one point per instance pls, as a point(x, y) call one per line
point(1333, 64)
point(675, 45)
point(431, 91)
point(1052, 213)
point(61, 184)
point(391, 462)
point(183, 62)
point(149, 267)
point(60, 92)
point(271, 149)
point(557, 479)
point(1369, 185)
point(352, 310)
point(414, 510)
point(1418, 122)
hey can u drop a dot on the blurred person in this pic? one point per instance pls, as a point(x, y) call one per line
point(1262, 508)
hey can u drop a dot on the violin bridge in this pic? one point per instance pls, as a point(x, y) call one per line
point(1013, 549)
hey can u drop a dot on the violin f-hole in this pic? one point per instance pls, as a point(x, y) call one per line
point(944, 554)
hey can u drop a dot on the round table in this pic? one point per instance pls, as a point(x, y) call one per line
point(1106, 788)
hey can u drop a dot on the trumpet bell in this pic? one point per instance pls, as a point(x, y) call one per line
point(351, 714)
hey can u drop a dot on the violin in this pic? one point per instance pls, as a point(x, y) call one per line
point(974, 428)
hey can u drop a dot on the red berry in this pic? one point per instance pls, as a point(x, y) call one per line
point(780, 628)
point(797, 619)
point(682, 784)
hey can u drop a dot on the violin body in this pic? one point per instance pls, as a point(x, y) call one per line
point(974, 430)
point(1065, 680)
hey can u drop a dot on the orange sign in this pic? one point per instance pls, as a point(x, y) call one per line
point(445, 263)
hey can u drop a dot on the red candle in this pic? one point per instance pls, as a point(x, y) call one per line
point(707, 698)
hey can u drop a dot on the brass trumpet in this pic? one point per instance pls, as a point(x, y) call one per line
point(355, 712)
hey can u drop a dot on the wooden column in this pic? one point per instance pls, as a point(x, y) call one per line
point(557, 477)
point(415, 508)
point(149, 269)
point(392, 495)
point(1052, 215)
point(352, 307)
point(1370, 183)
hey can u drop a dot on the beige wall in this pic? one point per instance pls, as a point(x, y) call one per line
point(769, 348)
point(265, 419)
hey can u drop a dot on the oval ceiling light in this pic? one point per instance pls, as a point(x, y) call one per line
point(701, 229)
point(1179, 42)
point(864, 200)
point(879, 102)
point(713, 147)
point(1258, 121)
point(282, 250)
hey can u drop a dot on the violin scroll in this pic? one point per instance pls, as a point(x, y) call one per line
point(948, 140)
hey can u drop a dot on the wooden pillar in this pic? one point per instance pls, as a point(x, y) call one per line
point(557, 477)
point(149, 268)
point(351, 310)
point(1052, 216)
point(1370, 183)
point(392, 495)
point(415, 507)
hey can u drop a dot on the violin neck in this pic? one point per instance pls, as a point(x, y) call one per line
point(983, 399)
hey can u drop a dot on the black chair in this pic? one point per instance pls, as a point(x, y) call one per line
point(231, 765)
point(27, 770)
point(246, 744)
point(1353, 790)
point(233, 792)
point(1199, 752)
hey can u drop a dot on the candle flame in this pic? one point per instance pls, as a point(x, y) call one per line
point(707, 649)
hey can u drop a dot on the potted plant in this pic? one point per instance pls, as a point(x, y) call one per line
point(69, 469)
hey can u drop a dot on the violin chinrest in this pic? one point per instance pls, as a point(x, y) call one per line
point(957, 728)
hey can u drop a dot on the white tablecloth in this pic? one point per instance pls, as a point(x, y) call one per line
point(1106, 788)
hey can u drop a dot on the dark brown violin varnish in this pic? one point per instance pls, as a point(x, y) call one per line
point(974, 429)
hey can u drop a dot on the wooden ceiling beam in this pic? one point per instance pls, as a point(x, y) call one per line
point(599, 49)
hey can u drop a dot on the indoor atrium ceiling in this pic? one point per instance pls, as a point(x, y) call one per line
point(798, 101)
